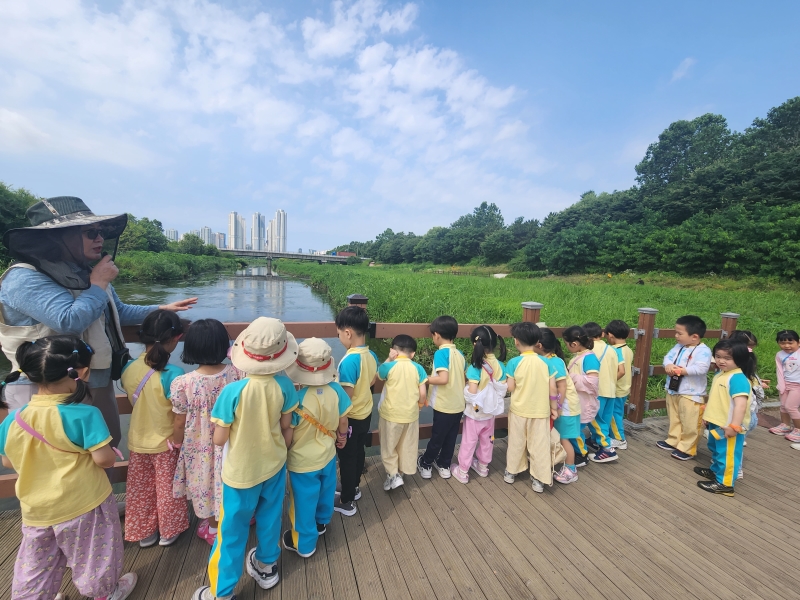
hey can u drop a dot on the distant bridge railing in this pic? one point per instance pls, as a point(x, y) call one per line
point(643, 334)
point(269, 255)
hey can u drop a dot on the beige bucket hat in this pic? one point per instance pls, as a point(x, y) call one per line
point(264, 348)
point(314, 364)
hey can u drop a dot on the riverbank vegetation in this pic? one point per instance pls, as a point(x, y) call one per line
point(401, 295)
point(166, 266)
point(707, 200)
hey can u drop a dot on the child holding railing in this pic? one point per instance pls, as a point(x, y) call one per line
point(60, 446)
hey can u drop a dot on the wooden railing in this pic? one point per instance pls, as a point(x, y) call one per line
point(644, 334)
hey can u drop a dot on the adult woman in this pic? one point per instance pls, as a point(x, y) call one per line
point(52, 289)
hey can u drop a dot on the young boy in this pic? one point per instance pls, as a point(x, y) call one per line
point(317, 424)
point(252, 418)
point(610, 372)
point(687, 367)
point(356, 375)
point(403, 396)
point(616, 333)
point(534, 402)
point(446, 397)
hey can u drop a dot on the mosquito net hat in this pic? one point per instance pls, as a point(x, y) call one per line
point(54, 244)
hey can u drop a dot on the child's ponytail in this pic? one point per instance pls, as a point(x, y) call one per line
point(158, 328)
point(550, 343)
point(484, 341)
point(577, 334)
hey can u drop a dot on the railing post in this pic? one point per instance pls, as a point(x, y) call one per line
point(531, 311)
point(729, 321)
point(357, 300)
point(641, 362)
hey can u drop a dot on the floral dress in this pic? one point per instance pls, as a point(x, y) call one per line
point(198, 475)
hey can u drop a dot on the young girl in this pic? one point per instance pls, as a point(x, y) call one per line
point(787, 364)
point(153, 450)
point(584, 370)
point(484, 368)
point(727, 416)
point(568, 423)
point(198, 474)
point(60, 447)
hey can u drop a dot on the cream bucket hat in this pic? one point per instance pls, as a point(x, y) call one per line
point(264, 348)
point(314, 364)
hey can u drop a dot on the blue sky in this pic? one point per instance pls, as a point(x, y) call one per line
point(358, 116)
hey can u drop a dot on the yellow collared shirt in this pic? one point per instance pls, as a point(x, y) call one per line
point(531, 396)
point(400, 399)
point(608, 369)
point(357, 370)
point(448, 398)
point(312, 450)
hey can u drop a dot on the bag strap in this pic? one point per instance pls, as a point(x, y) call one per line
point(18, 420)
point(485, 366)
point(304, 415)
point(138, 392)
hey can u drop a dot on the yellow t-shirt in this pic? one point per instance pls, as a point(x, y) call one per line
point(571, 403)
point(152, 416)
point(448, 398)
point(624, 384)
point(54, 486)
point(357, 370)
point(252, 408)
point(531, 396)
point(608, 369)
point(480, 376)
point(312, 450)
point(724, 388)
point(400, 399)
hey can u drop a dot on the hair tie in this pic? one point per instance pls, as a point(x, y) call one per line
point(20, 371)
point(73, 369)
point(75, 352)
point(477, 338)
point(2, 383)
point(749, 349)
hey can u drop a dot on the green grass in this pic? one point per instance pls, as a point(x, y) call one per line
point(167, 266)
point(401, 295)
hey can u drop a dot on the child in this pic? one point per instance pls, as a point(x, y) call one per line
point(60, 447)
point(477, 437)
point(616, 333)
point(606, 395)
point(403, 396)
point(198, 476)
point(568, 423)
point(757, 385)
point(787, 364)
point(446, 397)
point(253, 419)
point(318, 423)
point(357, 373)
point(534, 402)
point(727, 416)
point(584, 370)
point(686, 365)
point(152, 507)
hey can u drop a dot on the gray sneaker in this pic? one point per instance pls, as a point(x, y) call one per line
point(387, 484)
point(348, 509)
point(149, 541)
point(425, 472)
point(266, 576)
point(124, 587)
point(537, 485)
point(508, 477)
point(397, 481)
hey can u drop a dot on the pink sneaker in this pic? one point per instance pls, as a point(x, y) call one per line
point(204, 534)
point(483, 470)
point(124, 587)
point(566, 475)
point(458, 474)
point(794, 436)
point(781, 429)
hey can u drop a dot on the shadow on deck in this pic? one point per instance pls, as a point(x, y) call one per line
point(638, 528)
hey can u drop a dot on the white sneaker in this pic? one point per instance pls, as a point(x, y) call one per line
point(794, 446)
point(619, 444)
point(508, 477)
point(537, 486)
point(444, 473)
point(168, 541)
point(265, 578)
point(124, 587)
point(397, 481)
point(149, 541)
point(59, 596)
point(740, 475)
point(425, 472)
point(705, 433)
point(387, 484)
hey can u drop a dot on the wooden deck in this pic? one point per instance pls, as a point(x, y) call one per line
point(639, 528)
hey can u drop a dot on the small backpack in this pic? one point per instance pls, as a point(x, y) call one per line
point(491, 399)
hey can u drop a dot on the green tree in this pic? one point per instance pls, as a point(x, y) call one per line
point(144, 235)
point(13, 204)
point(498, 247)
point(192, 244)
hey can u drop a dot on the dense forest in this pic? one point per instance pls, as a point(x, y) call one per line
point(706, 200)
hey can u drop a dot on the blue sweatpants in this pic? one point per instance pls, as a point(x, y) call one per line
point(578, 443)
point(726, 454)
point(617, 428)
point(311, 502)
point(599, 428)
point(238, 506)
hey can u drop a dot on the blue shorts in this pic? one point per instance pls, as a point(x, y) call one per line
point(568, 427)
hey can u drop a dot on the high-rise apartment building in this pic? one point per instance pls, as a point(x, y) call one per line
point(277, 232)
point(237, 228)
point(258, 232)
point(172, 235)
point(219, 240)
point(243, 229)
point(207, 236)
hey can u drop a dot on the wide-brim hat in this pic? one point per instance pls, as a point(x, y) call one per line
point(264, 348)
point(314, 364)
point(66, 211)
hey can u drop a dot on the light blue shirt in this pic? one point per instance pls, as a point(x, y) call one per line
point(28, 298)
point(696, 361)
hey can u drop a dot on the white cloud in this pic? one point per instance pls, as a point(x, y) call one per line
point(683, 69)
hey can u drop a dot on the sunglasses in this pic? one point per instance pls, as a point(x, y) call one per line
point(92, 234)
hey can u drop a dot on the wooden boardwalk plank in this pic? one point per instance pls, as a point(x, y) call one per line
point(340, 562)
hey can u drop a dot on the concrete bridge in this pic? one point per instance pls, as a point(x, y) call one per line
point(270, 256)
